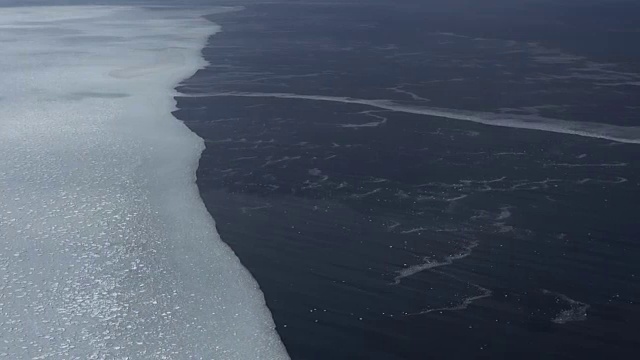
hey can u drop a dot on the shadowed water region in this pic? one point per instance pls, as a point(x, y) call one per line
point(378, 233)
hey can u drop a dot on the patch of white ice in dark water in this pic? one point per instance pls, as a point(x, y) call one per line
point(363, 195)
point(617, 164)
point(462, 305)
point(430, 263)
point(577, 310)
point(505, 213)
point(381, 121)
point(107, 251)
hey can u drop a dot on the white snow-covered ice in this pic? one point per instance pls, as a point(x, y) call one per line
point(106, 249)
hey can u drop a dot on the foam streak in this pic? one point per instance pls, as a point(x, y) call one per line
point(430, 263)
point(623, 134)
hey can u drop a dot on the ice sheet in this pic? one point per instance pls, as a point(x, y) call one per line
point(106, 249)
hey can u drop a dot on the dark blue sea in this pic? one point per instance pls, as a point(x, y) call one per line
point(381, 232)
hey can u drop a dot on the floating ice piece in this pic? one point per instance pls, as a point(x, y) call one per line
point(577, 310)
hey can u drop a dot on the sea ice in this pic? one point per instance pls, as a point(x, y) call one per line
point(106, 249)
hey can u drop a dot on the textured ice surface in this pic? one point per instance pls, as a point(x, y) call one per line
point(106, 249)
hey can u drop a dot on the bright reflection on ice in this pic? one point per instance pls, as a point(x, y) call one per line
point(106, 250)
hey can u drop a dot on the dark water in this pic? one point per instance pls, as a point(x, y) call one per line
point(387, 235)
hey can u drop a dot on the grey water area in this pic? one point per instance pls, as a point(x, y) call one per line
point(391, 234)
